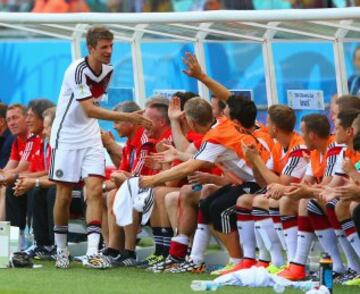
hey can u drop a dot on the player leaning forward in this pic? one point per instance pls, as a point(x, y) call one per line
point(76, 143)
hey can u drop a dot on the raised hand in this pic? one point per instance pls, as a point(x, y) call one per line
point(174, 110)
point(249, 151)
point(167, 156)
point(107, 137)
point(193, 67)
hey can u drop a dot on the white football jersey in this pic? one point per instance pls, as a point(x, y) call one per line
point(72, 128)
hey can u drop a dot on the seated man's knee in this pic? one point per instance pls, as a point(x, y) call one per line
point(171, 199)
point(261, 201)
point(208, 190)
point(245, 201)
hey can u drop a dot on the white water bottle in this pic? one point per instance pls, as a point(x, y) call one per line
point(204, 285)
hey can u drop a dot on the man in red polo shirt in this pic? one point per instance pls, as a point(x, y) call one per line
point(139, 145)
point(16, 208)
point(15, 119)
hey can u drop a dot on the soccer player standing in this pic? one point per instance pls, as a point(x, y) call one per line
point(78, 153)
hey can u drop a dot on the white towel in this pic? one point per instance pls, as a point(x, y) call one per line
point(130, 197)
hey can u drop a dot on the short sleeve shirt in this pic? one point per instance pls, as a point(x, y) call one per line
point(72, 128)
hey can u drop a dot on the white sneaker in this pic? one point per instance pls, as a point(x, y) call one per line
point(96, 261)
point(62, 259)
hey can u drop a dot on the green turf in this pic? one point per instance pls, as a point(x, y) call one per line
point(77, 280)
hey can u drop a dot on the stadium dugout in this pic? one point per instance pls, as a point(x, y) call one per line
point(336, 26)
point(333, 26)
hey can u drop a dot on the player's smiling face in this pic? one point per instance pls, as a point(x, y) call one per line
point(102, 51)
point(33, 122)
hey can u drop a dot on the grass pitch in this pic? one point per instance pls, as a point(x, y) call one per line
point(78, 280)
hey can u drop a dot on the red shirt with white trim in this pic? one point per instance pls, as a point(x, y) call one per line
point(17, 148)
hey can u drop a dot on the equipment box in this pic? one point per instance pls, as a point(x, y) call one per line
point(4, 244)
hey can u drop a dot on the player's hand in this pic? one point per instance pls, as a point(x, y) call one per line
point(298, 191)
point(169, 155)
point(23, 185)
point(7, 179)
point(199, 177)
point(162, 146)
point(193, 67)
point(275, 191)
point(249, 151)
point(327, 194)
point(138, 119)
point(146, 182)
point(107, 138)
point(118, 177)
point(174, 110)
point(350, 192)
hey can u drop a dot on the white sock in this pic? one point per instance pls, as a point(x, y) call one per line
point(181, 238)
point(247, 238)
point(304, 241)
point(93, 243)
point(355, 242)
point(280, 232)
point(328, 242)
point(61, 241)
point(263, 252)
point(200, 243)
point(271, 240)
point(351, 257)
point(290, 235)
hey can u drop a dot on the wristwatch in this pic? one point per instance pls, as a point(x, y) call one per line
point(37, 183)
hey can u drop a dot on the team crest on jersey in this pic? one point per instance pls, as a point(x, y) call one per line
point(59, 173)
point(81, 90)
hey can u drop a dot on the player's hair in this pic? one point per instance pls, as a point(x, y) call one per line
point(3, 109)
point(345, 102)
point(220, 103)
point(184, 97)
point(318, 124)
point(242, 110)
point(38, 106)
point(199, 111)
point(50, 113)
point(347, 117)
point(283, 117)
point(162, 109)
point(157, 100)
point(356, 142)
point(96, 33)
point(17, 105)
point(127, 106)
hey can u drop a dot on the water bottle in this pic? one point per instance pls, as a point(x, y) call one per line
point(306, 285)
point(204, 285)
point(196, 187)
point(325, 272)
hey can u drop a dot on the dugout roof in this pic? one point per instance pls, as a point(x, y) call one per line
point(265, 27)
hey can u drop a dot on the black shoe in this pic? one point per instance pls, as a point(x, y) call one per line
point(125, 258)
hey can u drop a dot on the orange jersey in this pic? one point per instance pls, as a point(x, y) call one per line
point(346, 153)
point(222, 144)
point(318, 164)
point(291, 161)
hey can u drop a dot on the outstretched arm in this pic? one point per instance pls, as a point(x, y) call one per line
point(94, 111)
point(178, 172)
point(194, 70)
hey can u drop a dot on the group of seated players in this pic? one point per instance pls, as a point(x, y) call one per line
point(208, 169)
